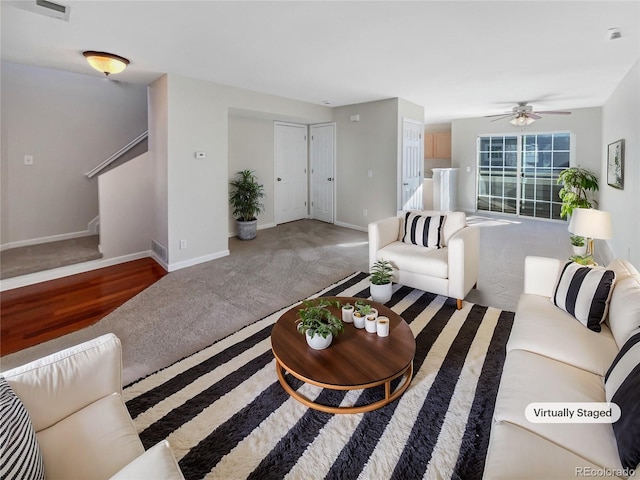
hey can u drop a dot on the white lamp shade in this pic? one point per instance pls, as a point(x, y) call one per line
point(591, 223)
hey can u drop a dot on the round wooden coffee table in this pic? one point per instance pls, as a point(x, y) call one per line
point(356, 359)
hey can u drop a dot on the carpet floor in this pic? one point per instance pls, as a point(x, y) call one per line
point(226, 415)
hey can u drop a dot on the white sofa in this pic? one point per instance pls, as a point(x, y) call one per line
point(552, 357)
point(83, 428)
point(451, 270)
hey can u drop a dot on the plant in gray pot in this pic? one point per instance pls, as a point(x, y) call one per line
point(381, 287)
point(245, 198)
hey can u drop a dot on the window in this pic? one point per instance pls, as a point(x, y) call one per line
point(517, 174)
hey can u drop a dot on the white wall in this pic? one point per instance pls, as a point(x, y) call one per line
point(197, 190)
point(251, 146)
point(621, 120)
point(584, 123)
point(69, 123)
point(370, 144)
point(126, 207)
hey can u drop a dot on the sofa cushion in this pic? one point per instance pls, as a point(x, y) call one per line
point(622, 384)
point(584, 292)
point(21, 457)
point(157, 463)
point(425, 231)
point(412, 258)
point(516, 453)
point(528, 378)
point(95, 442)
point(542, 328)
point(624, 308)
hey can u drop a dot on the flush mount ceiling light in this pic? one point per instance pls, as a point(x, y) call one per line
point(106, 63)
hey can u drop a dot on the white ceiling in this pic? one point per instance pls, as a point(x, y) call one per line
point(456, 58)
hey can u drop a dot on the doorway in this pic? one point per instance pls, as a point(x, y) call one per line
point(323, 154)
point(291, 180)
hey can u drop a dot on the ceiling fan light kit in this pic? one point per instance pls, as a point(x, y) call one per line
point(104, 62)
point(523, 115)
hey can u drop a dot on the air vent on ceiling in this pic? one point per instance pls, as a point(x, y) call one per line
point(45, 7)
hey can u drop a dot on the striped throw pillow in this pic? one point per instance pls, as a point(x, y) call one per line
point(21, 457)
point(423, 230)
point(584, 292)
point(622, 384)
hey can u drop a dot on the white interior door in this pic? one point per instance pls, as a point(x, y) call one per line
point(412, 165)
point(291, 172)
point(322, 171)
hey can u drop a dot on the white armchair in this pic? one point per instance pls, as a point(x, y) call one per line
point(451, 270)
point(82, 425)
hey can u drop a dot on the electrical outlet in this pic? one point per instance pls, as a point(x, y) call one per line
point(183, 244)
point(364, 212)
point(28, 159)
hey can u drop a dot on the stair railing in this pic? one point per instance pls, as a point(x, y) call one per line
point(105, 164)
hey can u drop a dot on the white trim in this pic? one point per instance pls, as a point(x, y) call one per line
point(352, 227)
point(52, 238)
point(195, 261)
point(94, 226)
point(54, 273)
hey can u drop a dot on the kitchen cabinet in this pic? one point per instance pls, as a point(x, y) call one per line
point(437, 145)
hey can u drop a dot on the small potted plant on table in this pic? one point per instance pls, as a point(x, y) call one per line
point(578, 244)
point(381, 287)
point(318, 323)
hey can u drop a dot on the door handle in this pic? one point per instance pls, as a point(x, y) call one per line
point(405, 184)
point(330, 179)
point(279, 179)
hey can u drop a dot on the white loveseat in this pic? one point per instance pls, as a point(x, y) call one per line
point(451, 270)
point(552, 357)
point(83, 428)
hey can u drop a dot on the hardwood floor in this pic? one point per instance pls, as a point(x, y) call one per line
point(47, 310)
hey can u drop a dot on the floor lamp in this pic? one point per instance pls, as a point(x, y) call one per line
point(591, 224)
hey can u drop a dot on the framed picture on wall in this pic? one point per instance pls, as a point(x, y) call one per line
point(615, 164)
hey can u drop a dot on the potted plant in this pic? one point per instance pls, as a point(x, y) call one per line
point(245, 197)
point(577, 183)
point(583, 259)
point(381, 287)
point(578, 244)
point(318, 323)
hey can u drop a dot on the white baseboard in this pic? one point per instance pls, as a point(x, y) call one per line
point(46, 275)
point(352, 227)
point(38, 241)
point(172, 267)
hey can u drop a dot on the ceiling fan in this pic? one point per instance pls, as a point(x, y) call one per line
point(524, 115)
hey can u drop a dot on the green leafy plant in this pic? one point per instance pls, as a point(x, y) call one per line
point(576, 184)
point(245, 196)
point(381, 273)
point(317, 319)
point(582, 259)
point(576, 240)
point(363, 308)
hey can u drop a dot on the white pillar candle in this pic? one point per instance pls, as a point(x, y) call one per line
point(382, 327)
point(347, 314)
point(370, 323)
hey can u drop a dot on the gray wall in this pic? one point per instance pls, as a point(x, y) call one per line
point(69, 123)
point(584, 123)
point(621, 119)
point(195, 118)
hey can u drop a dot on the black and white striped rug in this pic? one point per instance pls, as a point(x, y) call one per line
point(227, 417)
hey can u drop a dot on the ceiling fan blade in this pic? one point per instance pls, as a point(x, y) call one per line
point(553, 112)
point(533, 115)
point(498, 115)
point(501, 117)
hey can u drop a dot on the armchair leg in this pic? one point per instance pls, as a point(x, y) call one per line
point(459, 303)
point(475, 285)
